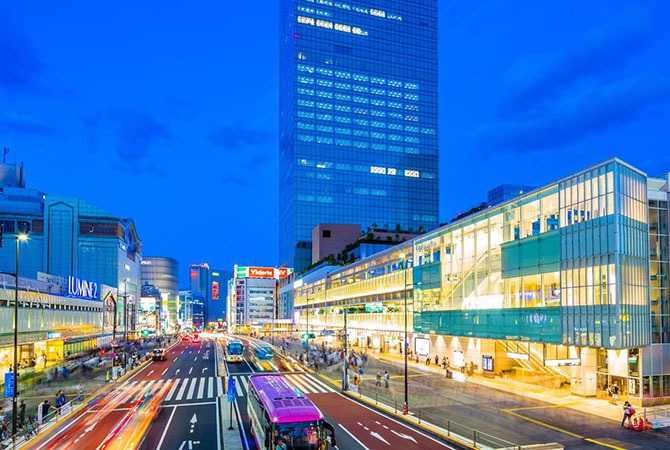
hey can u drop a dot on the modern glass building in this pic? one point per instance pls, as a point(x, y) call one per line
point(163, 273)
point(358, 118)
point(565, 285)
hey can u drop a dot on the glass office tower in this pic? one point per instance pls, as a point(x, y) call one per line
point(358, 118)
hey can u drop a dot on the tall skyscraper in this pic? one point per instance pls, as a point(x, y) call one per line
point(358, 118)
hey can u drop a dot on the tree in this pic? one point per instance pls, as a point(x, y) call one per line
point(374, 225)
point(421, 229)
point(397, 228)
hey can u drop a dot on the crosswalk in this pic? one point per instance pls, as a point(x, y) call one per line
point(210, 388)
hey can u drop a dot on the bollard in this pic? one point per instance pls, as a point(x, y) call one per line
point(448, 427)
point(376, 398)
point(395, 409)
point(419, 416)
point(474, 438)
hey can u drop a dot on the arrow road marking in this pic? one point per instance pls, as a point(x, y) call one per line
point(194, 419)
point(404, 436)
point(177, 371)
point(203, 369)
point(372, 433)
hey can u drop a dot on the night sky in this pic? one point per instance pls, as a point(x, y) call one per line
point(167, 112)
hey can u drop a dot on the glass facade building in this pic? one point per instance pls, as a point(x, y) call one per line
point(163, 273)
point(567, 282)
point(358, 118)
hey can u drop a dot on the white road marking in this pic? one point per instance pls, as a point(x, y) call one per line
point(190, 370)
point(172, 390)
point(177, 371)
point(404, 436)
point(219, 387)
point(191, 389)
point(201, 388)
point(196, 358)
point(352, 436)
point(246, 384)
point(180, 395)
point(203, 369)
point(167, 427)
point(240, 393)
point(372, 433)
point(210, 388)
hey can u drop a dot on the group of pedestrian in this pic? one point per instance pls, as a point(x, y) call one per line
point(386, 379)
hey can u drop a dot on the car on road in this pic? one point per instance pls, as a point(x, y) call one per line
point(159, 354)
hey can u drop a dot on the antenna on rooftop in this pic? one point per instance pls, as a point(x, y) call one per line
point(4, 154)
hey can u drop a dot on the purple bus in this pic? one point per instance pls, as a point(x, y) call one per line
point(278, 411)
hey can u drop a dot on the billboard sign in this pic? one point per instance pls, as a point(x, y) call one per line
point(215, 290)
point(262, 272)
point(82, 288)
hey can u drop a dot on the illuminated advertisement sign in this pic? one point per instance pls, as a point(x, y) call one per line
point(422, 346)
point(82, 288)
point(194, 273)
point(562, 362)
point(215, 290)
point(262, 272)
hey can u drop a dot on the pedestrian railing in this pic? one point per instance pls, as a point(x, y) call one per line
point(658, 416)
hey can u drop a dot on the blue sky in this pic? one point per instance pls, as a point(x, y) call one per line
point(167, 112)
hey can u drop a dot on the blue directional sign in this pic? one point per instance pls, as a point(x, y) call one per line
point(231, 389)
point(9, 384)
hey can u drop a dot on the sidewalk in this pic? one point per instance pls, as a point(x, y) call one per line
point(593, 406)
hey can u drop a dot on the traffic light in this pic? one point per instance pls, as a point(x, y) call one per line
point(308, 336)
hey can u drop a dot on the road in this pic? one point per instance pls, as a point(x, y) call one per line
point(356, 427)
point(185, 421)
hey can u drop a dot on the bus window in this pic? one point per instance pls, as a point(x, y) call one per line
point(301, 435)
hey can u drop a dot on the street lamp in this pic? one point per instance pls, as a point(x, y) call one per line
point(125, 321)
point(307, 334)
point(404, 287)
point(19, 238)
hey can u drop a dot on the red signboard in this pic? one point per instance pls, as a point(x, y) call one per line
point(261, 272)
point(215, 290)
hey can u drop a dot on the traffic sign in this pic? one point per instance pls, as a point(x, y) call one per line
point(115, 342)
point(231, 389)
point(9, 384)
point(111, 355)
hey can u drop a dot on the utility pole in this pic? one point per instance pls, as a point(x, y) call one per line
point(404, 268)
point(19, 238)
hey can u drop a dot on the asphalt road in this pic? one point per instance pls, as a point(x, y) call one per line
point(356, 427)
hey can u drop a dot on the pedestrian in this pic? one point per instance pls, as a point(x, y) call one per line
point(628, 412)
point(45, 409)
point(60, 400)
point(614, 393)
point(444, 362)
point(437, 360)
point(386, 379)
point(355, 380)
point(428, 361)
point(280, 445)
point(379, 380)
point(22, 413)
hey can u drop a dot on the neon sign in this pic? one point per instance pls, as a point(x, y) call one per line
point(82, 288)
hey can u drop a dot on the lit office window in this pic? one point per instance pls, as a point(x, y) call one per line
point(360, 111)
point(410, 107)
point(412, 129)
point(359, 77)
point(305, 20)
point(359, 31)
point(305, 115)
point(306, 138)
point(358, 99)
point(411, 86)
point(324, 83)
point(391, 171)
point(342, 6)
point(412, 150)
point(343, 97)
point(377, 135)
point(378, 124)
point(303, 68)
point(320, 12)
point(395, 115)
point(378, 146)
point(339, 130)
point(412, 118)
point(307, 103)
point(324, 140)
point(324, 129)
point(323, 105)
point(411, 139)
point(412, 173)
point(395, 94)
point(377, 113)
point(305, 126)
point(428, 130)
point(343, 142)
point(305, 80)
point(361, 122)
point(304, 91)
point(322, 71)
point(395, 148)
point(342, 119)
point(394, 83)
point(341, 74)
point(377, 80)
point(359, 88)
point(343, 108)
point(395, 105)
point(361, 133)
point(324, 24)
point(340, 85)
point(359, 144)
point(342, 27)
point(395, 126)
point(324, 117)
point(378, 192)
point(324, 94)
point(377, 12)
point(379, 170)
point(409, 96)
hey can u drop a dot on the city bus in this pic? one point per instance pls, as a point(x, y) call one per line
point(234, 350)
point(276, 410)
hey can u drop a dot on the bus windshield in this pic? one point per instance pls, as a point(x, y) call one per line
point(235, 348)
point(299, 435)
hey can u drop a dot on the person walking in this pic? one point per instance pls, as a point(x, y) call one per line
point(378, 383)
point(60, 400)
point(428, 361)
point(437, 360)
point(628, 412)
point(386, 379)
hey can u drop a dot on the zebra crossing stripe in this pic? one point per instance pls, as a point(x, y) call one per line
point(172, 390)
point(316, 389)
point(201, 388)
point(219, 387)
point(191, 389)
point(180, 394)
point(238, 387)
point(210, 388)
point(297, 384)
point(323, 385)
